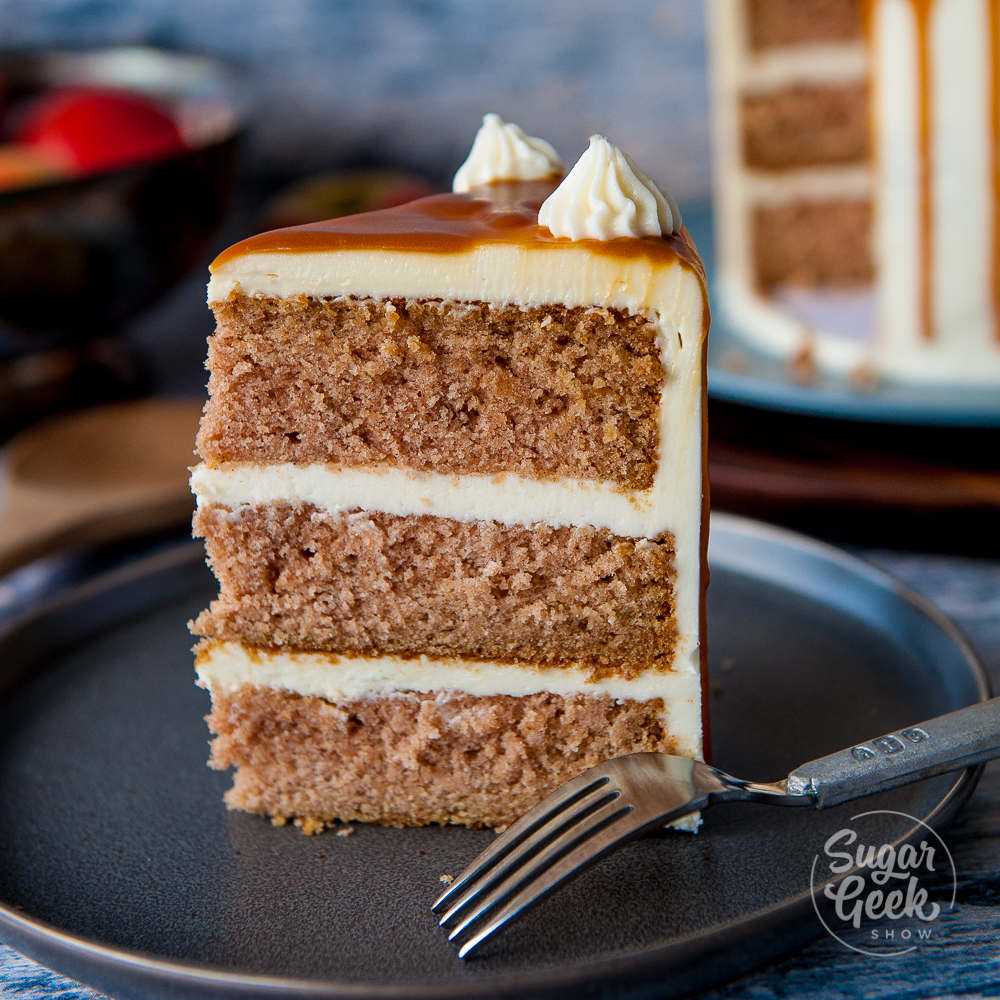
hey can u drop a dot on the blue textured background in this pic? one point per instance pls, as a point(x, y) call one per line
point(406, 81)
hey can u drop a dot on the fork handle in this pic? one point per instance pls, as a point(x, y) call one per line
point(948, 743)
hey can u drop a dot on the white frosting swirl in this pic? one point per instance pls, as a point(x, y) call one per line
point(502, 152)
point(605, 196)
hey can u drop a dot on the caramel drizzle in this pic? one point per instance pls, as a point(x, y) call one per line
point(993, 32)
point(502, 213)
point(921, 14)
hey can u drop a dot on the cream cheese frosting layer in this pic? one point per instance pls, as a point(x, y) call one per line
point(505, 498)
point(808, 184)
point(505, 274)
point(822, 63)
point(225, 666)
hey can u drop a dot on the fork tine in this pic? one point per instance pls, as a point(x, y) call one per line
point(561, 799)
point(528, 847)
point(599, 832)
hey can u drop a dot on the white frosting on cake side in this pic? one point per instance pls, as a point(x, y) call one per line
point(961, 330)
point(502, 152)
point(606, 196)
point(896, 225)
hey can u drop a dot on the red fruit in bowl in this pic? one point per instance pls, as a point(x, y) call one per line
point(90, 129)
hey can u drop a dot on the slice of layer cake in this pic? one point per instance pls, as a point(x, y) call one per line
point(452, 488)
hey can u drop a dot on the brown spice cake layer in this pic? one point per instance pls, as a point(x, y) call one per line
point(371, 583)
point(811, 243)
point(412, 759)
point(443, 387)
point(806, 125)
point(773, 23)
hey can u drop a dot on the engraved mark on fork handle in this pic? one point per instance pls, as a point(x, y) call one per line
point(889, 744)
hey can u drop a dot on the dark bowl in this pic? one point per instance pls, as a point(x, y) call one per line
point(80, 256)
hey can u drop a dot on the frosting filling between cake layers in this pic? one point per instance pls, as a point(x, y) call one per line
point(813, 183)
point(817, 62)
point(225, 666)
point(503, 497)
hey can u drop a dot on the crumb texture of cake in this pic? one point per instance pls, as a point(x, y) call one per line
point(413, 759)
point(452, 489)
point(374, 582)
point(778, 23)
point(794, 244)
point(443, 386)
point(805, 125)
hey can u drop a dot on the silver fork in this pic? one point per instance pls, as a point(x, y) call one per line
point(626, 797)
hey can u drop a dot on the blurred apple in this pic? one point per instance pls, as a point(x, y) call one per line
point(327, 196)
point(23, 165)
point(90, 129)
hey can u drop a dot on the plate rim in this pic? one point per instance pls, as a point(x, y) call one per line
point(19, 929)
point(824, 404)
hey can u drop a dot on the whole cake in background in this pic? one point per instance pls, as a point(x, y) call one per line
point(857, 175)
point(452, 488)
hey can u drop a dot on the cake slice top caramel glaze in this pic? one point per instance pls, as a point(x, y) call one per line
point(504, 214)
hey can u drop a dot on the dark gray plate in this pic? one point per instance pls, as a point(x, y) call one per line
point(120, 867)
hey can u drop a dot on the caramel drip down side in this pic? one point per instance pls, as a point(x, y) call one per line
point(993, 31)
point(921, 13)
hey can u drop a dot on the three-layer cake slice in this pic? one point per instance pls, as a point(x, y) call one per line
point(452, 488)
